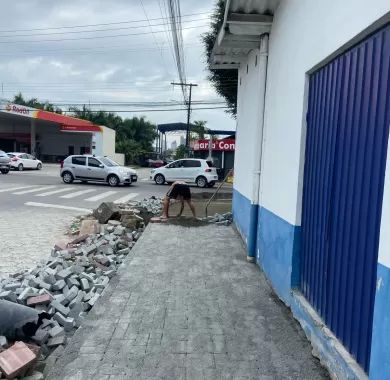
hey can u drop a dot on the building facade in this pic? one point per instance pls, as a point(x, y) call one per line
point(312, 183)
point(52, 137)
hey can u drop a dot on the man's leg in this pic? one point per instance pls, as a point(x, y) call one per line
point(192, 207)
point(165, 213)
point(181, 209)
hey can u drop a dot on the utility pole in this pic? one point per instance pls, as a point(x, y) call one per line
point(190, 85)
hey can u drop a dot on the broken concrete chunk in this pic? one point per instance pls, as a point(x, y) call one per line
point(64, 274)
point(41, 336)
point(8, 296)
point(85, 284)
point(59, 285)
point(107, 211)
point(67, 323)
point(72, 294)
point(59, 307)
point(72, 282)
point(56, 331)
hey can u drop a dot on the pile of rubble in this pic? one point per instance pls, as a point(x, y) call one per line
point(220, 219)
point(42, 307)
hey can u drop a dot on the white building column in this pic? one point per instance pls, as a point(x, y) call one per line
point(33, 137)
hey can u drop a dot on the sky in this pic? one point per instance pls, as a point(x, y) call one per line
point(48, 52)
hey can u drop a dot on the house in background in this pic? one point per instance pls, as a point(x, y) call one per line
point(311, 191)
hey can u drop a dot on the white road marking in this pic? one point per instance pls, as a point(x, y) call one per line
point(126, 198)
point(54, 192)
point(49, 205)
point(77, 193)
point(34, 190)
point(15, 188)
point(101, 196)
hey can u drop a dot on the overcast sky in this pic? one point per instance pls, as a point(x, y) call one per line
point(82, 64)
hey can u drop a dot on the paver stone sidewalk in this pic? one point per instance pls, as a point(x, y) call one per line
point(187, 305)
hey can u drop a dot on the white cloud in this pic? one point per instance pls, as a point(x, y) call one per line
point(127, 68)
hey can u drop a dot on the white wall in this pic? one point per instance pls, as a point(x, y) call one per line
point(304, 33)
point(108, 141)
point(248, 119)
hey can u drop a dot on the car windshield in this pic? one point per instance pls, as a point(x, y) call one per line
point(108, 162)
point(10, 155)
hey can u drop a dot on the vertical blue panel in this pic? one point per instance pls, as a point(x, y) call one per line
point(347, 134)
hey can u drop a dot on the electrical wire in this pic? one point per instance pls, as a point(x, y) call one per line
point(97, 30)
point(101, 24)
point(94, 37)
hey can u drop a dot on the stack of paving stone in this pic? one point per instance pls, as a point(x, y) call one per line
point(220, 219)
point(65, 287)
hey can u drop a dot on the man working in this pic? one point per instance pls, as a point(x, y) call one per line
point(179, 191)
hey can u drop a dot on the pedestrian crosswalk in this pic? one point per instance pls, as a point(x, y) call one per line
point(89, 195)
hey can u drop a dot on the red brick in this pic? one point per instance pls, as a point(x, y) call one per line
point(43, 299)
point(16, 359)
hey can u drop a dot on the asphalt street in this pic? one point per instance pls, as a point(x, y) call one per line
point(45, 189)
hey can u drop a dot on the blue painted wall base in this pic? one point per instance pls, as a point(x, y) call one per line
point(278, 245)
point(241, 213)
point(380, 344)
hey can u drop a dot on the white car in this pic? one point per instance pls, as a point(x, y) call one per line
point(21, 161)
point(191, 170)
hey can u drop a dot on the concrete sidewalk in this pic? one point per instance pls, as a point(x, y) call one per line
point(187, 305)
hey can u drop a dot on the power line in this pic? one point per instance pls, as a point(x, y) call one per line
point(101, 24)
point(96, 30)
point(154, 38)
point(94, 37)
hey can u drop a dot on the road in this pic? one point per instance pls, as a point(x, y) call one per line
point(36, 207)
point(45, 189)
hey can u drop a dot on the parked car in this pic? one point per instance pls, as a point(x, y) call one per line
point(96, 169)
point(190, 170)
point(21, 161)
point(155, 163)
point(4, 162)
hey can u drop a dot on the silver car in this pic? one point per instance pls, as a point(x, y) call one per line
point(4, 162)
point(96, 169)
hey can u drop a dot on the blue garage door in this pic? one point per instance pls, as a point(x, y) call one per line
point(347, 132)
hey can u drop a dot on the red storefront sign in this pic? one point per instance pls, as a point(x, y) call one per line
point(226, 145)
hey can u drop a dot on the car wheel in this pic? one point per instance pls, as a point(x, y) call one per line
point(67, 177)
point(4, 171)
point(113, 180)
point(20, 167)
point(201, 182)
point(39, 166)
point(159, 179)
point(211, 184)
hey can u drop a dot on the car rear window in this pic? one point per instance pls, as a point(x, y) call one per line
point(9, 155)
point(79, 161)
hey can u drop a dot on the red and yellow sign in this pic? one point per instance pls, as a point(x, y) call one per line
point(67, 123)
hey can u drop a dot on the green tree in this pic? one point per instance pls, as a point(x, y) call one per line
point(224, 81)
point(198, 130)
point(134, 137)
point(181, 152)
point(34, 103)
